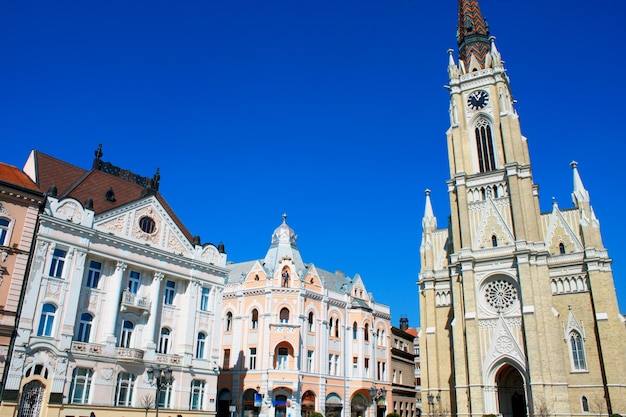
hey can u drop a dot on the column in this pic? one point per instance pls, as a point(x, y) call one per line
point(152, 324)
point(111, 306)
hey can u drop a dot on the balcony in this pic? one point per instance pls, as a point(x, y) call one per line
point(131, 301)
point(169, 359)
point(87, 348)
point(129, 354)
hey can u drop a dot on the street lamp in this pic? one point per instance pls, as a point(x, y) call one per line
point(161, 378)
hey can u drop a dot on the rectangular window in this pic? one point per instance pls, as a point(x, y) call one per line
point(366, 367)
point(165, 395)
point(134, 279)
point(204, 299)
point(197, 395)
point(170, 291)
point(4, 232)
point(226, 364)
point(58, 261)
point(81, 383)
point(355, 366)
point(252, 358)
point(124, 389)
point(309, 359)
point(283, 358)
point(93, 274)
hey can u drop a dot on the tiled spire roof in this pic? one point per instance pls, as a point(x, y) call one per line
point(472, 34)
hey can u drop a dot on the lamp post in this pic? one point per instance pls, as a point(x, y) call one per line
point(161, 378)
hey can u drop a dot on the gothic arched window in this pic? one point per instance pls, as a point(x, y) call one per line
point(494, 241)
point(561, 248)
point(484, 146)
point(254, 323)
point(284, 315)
point(229, 322)
point(578, 351)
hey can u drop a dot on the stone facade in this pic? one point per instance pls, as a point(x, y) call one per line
point(519, 313)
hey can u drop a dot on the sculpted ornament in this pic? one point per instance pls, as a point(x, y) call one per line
point(107, 373)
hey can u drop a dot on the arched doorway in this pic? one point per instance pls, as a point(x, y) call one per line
point(358, 406)
point(308, 403)
point(32, 399)
point(511, 392)
point(223, 401)
point(251, 403)
point(334, 405)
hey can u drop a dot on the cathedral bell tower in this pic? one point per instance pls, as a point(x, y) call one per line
point(501, 332)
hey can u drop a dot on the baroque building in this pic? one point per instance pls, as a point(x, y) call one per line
point(122, 306)
point(20, 204)
point(299, 339)
point(519, 313)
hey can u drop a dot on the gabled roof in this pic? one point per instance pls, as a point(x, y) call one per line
point(106, 190)
point(14, 176)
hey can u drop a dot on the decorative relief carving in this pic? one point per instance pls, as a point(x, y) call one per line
point(70, 211)
point(175, 245)
point(211, 254)
point(107, 373)
point(115, 225)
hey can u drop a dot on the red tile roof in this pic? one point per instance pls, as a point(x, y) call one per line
point(14, 176)
point(80, 184)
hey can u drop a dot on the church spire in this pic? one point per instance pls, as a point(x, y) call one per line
point(429, 221)
point(472, 36)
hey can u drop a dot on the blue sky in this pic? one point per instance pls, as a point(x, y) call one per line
point(332, 111)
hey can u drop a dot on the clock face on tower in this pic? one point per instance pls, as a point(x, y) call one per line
point(477, 99)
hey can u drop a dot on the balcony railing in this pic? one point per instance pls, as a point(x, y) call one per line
point(132, 301)
point(129, 353)
point(87, 348)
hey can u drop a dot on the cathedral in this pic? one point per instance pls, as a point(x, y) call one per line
point(519, 314)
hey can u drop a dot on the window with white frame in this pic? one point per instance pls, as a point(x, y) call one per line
point(165, 395)
point(484, 145)
point(355, 332)
point(200, 343)
point(124, 389)
point(57, 263)
point(164, 341)
point(170, 292)
point(4, 232)
point(81, 384)
point(204, 299)
point(585, 404)
point(355, 366)
point(126, 333)
point(84, 328)
point(134, 280)
point(197, 395)
point(577, 350)
point(252, 358)
point(309, 360)
point(93, 274)
point(282, 361)
point(46, 320)
point(311, 321)
point(366, 367)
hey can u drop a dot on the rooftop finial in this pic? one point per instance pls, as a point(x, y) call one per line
point(284, 217)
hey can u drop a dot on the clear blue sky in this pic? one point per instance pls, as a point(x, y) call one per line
point(332, 111)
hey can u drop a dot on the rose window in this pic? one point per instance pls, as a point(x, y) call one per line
point(500, 294)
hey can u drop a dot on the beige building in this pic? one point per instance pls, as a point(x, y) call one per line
point(519, 313)
point(298, 339)
point(20, 204)
point(122, 309)
point(403, 389)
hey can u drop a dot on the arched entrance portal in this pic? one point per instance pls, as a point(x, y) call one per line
point(358, 406)
point(308, 404)
point(511, 392)
point(224, 399)
point(32, 399)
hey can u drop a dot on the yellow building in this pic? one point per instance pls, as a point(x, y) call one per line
point(519, 313)
point(298, 339)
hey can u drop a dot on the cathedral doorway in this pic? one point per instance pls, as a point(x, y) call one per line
point(511, 392)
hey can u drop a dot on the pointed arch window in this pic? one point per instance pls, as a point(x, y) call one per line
point(311, 327)
point(561, 248)
point(585, 404)
point(354, 331)
point(494, 241)
point(484, 146)
point(366, 332)
point(577, 349)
